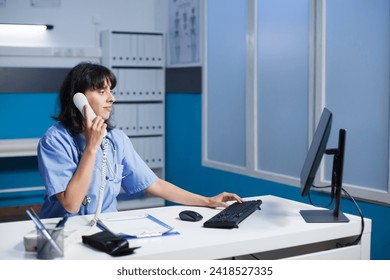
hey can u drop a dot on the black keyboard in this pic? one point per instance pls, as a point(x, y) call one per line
point(232, 215)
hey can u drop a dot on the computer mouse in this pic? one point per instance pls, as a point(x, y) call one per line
point(190, 216)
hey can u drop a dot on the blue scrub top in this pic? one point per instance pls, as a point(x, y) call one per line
point(58, 157)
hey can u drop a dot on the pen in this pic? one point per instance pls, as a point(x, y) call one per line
point(34, 217)
point(62, 222)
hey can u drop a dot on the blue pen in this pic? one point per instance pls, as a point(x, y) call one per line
point(34, 217)
point(62, 222)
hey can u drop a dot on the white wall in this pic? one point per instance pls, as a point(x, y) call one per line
point(78, 23)
point(77, 26)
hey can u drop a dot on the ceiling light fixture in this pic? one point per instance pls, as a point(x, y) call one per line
point(25, 27)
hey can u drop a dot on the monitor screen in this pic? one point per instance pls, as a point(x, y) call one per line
point(316, 151)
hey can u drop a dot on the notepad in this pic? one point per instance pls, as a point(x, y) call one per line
point(136, 226)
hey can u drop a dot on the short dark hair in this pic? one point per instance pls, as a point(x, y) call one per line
point(84, 76)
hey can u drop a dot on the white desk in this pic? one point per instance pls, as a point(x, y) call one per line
point(276, 231)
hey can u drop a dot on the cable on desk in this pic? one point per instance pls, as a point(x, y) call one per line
point(357, 240)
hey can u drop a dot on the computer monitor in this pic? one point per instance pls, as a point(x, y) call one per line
point(310, 167)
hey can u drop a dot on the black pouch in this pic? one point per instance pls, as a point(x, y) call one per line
point(107, 242)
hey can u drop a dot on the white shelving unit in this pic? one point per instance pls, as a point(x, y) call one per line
point(137, 60)
point(18, 147)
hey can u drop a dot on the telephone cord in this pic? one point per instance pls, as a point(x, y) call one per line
point(102, 184)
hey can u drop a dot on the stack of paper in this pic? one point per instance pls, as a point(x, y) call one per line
point(135, 226)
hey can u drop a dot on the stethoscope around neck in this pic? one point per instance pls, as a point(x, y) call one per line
point(106, 166)
point(113, 170)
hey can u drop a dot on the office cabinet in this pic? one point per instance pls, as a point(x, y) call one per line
point(137, 60)
point(139, 84)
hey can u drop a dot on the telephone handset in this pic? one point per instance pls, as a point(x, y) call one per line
point(80, 100)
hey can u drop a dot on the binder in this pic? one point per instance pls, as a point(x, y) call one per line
point(121, 85)
point(116, 90)
point(150, 119)
point(126, 118)
point(155, 154)
point(133, 50)
point(160, 83)
point(128, 84)
point(120, 50)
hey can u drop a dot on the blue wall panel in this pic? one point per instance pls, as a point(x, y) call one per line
point(26, 115)
point(23, 115)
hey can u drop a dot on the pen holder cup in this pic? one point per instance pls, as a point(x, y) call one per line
point(46, 250)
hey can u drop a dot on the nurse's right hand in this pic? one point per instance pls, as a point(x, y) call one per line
point(94, 131)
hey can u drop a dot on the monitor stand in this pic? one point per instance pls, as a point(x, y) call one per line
point(323, 216)
point(335, 215)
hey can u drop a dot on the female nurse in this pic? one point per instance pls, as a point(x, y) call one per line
point(79, 157)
